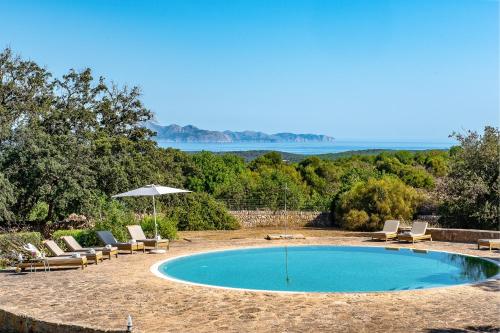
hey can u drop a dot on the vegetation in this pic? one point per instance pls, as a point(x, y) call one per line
point(68, 144)
point(471, 192)
point(368, 204)
point(11, 245)
point(84, 237)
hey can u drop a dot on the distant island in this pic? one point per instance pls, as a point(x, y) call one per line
point(190, 133)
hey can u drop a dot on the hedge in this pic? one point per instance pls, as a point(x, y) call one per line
point(86, 237)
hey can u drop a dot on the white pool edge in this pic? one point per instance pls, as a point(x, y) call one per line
point(155, 270)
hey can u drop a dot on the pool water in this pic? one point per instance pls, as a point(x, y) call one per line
point(328, 269)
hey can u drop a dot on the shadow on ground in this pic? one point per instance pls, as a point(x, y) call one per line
point(468, 329)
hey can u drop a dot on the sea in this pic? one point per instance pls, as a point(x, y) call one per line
point(308, 148)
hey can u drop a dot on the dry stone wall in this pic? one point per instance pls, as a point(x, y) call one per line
point(267, 218)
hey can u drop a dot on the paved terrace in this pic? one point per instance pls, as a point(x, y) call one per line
point(102, 296)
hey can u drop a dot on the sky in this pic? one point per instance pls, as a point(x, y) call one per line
point(353, 69)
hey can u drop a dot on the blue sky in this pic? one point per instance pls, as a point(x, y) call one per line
point(386, 69)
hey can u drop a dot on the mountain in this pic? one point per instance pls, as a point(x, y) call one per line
point(190, 133)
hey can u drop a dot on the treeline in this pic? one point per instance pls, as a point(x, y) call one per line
point(67, 144)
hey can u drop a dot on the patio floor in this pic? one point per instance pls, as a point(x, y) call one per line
point(102, 296)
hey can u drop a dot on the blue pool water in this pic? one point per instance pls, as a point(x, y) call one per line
point(328, 269)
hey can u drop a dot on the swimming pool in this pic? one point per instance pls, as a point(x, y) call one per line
point(327, 269)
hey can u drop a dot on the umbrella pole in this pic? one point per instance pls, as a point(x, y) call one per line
point(156, 249)
point(154, 214)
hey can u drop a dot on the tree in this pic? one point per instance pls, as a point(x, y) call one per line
point(471, 192)
point(368, 204)
point(6, 200)
point(49, 129)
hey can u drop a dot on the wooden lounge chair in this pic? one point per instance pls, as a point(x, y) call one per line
point(74, 246)
point(49, 262)
point(389, 231)
point(137, 233)
point(490, 243)
point(56, 251)
point(107, 238)
point(417, 233)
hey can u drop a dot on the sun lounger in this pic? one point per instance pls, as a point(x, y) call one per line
point(107, 238)
point(74, 246)
point(389, 231)
point(417, 232)
point(50, 262)
point(56, 251)
point(490, 243)
point(137, 233)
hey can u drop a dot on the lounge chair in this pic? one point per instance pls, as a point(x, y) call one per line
point(137, 233)
point(48, 262)
point(74, 246)
point(389, 231)
point(491, 243)
point(417, 233)
point(107, 238)
point(56, 251)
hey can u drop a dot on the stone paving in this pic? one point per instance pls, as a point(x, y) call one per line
point(102, 296)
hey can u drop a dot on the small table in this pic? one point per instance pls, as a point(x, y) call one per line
point(34, 261)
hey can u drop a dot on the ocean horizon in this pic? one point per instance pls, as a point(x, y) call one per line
point(308, 148)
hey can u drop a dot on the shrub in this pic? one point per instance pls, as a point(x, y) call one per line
point(356, 219)
point(199, 211)
point(115, 219)
point(167, 227)
point(368, 204)
point(85, 237)
point(12, 243)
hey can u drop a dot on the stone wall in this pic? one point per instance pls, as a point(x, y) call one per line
point(10, 322)
point(461, 235)
point(267, 218)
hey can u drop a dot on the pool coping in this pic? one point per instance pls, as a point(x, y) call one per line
point(155, 270)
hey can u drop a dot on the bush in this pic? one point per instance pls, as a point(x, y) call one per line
point(199, 211)
point(86, 238)
point(357, 219)
point(167, 227)
point(368, 204)
point(12, 243)
point(115, 219)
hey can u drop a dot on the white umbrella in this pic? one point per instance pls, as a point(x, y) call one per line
point(152, 191)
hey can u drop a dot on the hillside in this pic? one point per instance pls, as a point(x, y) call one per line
point(190, 133)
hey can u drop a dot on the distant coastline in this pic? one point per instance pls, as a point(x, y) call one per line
point(193, 134)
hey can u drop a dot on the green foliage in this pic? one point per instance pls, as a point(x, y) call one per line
point(68, 143)
point(213, 173)
point(39, 211)
point(12, 244)
point(413, 176)
point(471, 192)
point(6, 200)
point(115, 218)
point(48, 134)
point(167, 227)
point(199, 211)
point(368, 204)
point(271, 159)
point(85, 237)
